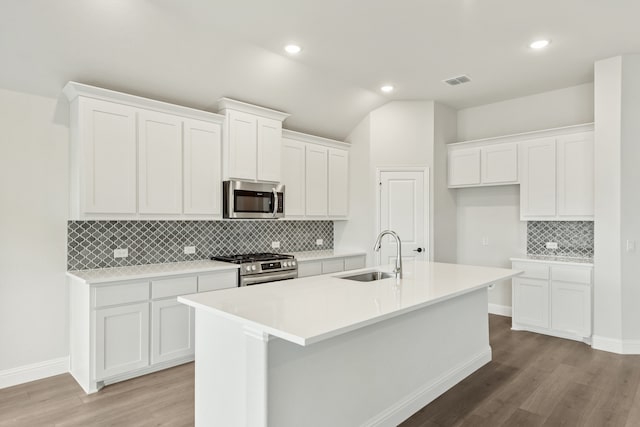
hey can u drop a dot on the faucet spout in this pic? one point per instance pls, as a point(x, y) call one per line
point(376, 247)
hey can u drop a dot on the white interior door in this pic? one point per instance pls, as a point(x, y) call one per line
point(404, 209)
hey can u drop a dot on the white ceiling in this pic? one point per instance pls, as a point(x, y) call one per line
point(192, 52)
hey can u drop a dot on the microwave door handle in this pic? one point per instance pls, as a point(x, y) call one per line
point(275, 202)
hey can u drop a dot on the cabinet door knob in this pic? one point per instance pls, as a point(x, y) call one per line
point(418, 250)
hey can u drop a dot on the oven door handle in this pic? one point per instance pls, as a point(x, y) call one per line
point(263, 278)
point(275, 202)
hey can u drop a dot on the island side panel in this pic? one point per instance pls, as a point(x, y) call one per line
point(380, 374)
point(220, 371)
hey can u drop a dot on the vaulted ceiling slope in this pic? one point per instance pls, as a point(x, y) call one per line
point(192, 52)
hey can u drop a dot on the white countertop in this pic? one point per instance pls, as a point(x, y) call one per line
point(308, 310)
point(549, 259)
point(324, 254)
point(102, 275)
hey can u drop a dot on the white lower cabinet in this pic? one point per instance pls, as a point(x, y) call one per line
point(571, 308)
point(122, 339)
point(330, 265)
point(553, 299)
point(531, 297)
point(172, 326)
point(123, 329)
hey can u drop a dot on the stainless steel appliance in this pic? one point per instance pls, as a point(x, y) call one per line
point(252, 200)
point(262, 267)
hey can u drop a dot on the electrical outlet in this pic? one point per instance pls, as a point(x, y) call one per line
point(319, 242)
point(631, 245)
point(552, 245)
point(121, 253)
point(275, 245)
point(189, 250)
point(485, 241)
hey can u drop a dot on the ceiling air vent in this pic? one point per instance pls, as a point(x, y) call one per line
point(454, 81)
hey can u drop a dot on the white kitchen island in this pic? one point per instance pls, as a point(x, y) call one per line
point(326, 351)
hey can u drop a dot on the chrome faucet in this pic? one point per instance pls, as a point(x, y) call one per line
point(376, 247)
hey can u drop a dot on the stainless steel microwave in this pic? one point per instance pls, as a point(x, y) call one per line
point(252, 200)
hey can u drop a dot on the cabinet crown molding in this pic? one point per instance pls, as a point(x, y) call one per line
point(232, 104)
point(517, 137)
point(73, 90)
point(303, 137)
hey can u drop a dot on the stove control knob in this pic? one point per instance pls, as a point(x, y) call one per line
point(253, 268)
point(286, 263)
point(293, 263)
point(248, 268)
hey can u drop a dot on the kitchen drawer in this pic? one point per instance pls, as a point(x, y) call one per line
point(355, 262)
point(571, 274)
point(218, 280)
point(173, 287)
point(121, 294)
point(532, 270)
point(332, 265)
point(310, 268)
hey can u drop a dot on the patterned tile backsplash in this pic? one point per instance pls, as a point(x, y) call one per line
point(574, 238)
point(90, 244)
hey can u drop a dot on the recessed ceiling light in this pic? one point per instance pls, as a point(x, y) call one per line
point(539, 44)
point(387, 88)
point(292, 49)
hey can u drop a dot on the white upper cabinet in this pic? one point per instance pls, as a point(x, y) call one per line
point(338, 183)
point(251, 142)
point(499, 164)
point(554, 167)
point(538, 179)
point(464, 167)
point(104, 176)
point(243, 145)
point(293, 177)
point(202, 167)
point(159, 163)
point(134, 157)
point(315, 172)
point(575, 175)
point(316, 181)
point(557, 178)
point(269, 146)
point(479, 165)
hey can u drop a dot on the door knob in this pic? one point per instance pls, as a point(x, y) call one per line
point(418, 250)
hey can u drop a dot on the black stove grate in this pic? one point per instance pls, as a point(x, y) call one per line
point(243, 258)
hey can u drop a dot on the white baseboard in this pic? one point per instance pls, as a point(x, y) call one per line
point(614, 345)
point(500, 310)
point(403, 409)
point(35, 371)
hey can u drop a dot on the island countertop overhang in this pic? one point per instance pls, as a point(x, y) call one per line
point(312, 309)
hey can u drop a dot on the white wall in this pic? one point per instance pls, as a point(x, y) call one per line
point(358, 233)
point(493, 212)
point(444, 199)
point(34, 194)
point(617, 205)
point(400, 133)
point(557, 108)
point(630, 197)
point(607, 168)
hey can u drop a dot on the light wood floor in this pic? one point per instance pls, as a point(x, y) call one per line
point(533, 380)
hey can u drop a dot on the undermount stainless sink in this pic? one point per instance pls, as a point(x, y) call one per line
point(370, 276)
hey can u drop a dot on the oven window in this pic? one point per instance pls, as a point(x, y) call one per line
point(253, 201)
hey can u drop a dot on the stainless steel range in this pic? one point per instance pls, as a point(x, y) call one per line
point(263, 267)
